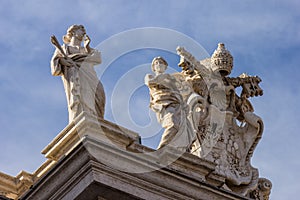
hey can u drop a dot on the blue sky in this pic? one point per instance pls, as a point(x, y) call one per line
point(263, 37)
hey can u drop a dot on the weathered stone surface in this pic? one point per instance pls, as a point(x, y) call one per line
point(12, 187)
point(199, 107)
point(205, 153)
point(87, 124)
point(105, 161)
point(75, 64)
point(167, 101)
point(80, 175)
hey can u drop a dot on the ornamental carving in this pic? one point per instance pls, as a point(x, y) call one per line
point(203, 114)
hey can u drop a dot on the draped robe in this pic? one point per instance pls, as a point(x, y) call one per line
point(83, 89)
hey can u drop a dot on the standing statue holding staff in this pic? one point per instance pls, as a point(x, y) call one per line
point(75, 64)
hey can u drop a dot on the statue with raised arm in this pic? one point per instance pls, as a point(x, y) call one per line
point(228, 130)
point(167, 102)
point(75, 64)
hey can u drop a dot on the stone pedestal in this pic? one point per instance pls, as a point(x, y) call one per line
point(96, 159)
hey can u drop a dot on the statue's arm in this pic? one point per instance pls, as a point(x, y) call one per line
point(59, 61)
point(149, 80)
point(56, 66)
point(94, 56)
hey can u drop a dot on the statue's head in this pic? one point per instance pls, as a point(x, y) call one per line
point(74, 30)
point(222, 60)
point(159, 64)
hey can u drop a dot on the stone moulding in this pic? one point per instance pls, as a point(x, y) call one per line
point(85, 161)
point(62, 145)
point(78, 174)
point(86, 124)
point(95, 162)
point(12, 187)
point(89, 158)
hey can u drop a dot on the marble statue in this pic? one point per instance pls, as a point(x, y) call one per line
point(75, 64)
point(224, 128)
point(167, 102)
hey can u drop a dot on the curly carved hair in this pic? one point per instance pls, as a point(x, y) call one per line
point(70, 32)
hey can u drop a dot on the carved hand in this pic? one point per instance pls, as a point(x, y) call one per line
point(67, 62)
point(87, 42)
